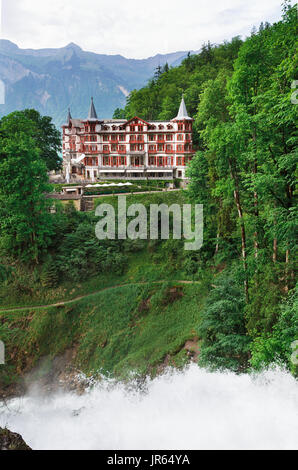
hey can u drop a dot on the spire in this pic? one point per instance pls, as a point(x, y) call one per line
point(69, 118)
point(182, 113)
point(92, 112)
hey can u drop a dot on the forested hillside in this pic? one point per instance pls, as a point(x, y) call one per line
point(244, 173)
point(235, 298)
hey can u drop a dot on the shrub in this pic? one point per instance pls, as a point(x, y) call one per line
point(225, 343)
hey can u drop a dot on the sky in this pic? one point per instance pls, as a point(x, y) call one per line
point(132, 28)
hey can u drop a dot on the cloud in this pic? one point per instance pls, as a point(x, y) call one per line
point(131, 28)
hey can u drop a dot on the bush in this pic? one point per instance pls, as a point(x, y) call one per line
point(276, 347)
point(225, 343)
point(50, 274)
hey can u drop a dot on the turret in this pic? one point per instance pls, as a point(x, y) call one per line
point(182, 113)
point(69, 117)
point(92, 116)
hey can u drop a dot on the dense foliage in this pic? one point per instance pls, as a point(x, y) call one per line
point(244, 173)
point(245, 169)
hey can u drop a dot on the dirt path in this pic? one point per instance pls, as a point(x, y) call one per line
point(77, 299)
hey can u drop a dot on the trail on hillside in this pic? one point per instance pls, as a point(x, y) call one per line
point(77, 299)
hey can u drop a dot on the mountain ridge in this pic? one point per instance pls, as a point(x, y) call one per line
point(50, 80)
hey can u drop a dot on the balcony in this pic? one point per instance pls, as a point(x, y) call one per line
point(162, 167)
point(185, 150)
point(135, 167)
point(136, 141)
point(136, 152)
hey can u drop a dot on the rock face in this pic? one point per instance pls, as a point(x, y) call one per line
point(12, 441)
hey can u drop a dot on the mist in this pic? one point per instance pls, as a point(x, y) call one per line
point(193, 409)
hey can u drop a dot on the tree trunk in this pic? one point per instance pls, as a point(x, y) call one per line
point(256, 208)
point(274, 257)
point(218, 230)
point(287, 270)
point(242, 225)
point(274, 250)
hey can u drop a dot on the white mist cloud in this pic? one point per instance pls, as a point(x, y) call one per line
point(132, 28)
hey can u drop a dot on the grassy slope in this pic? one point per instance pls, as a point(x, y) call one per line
point(133, 327)
point(115, 331)
point(140, 267)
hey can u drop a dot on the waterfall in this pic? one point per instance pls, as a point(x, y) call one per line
point(191, 409)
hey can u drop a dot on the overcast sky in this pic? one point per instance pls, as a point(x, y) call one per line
point(133, 28)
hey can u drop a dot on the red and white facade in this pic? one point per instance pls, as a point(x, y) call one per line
point(95, 149)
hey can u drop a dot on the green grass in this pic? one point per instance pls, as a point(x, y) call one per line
point(132, 328)
point(140, 268)
point(145, 266)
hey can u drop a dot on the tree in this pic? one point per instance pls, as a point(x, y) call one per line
point(225, 343)
point(25, 221)
point(47, 138)
point(119, 114)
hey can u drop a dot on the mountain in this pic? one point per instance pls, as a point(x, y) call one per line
point(51, 80)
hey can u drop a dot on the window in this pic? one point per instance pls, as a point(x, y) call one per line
point(180, 137)
point(105, 138)
point(151, 137)
point(169, 137)
point(122, 138)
